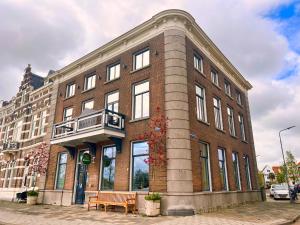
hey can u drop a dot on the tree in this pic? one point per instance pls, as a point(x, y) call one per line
point(156, 136)
point(38, 161)
point(261, 179)
point(272, 177)
point(292, 168)
point(281, 176)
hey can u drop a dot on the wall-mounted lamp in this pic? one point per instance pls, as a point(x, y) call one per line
point(124, 66)
point(78, 87)
point(156, 53)
point(99, 77)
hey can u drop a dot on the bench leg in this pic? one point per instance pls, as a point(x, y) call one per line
point(88, 206)
point(105, 207)
point(126, 210)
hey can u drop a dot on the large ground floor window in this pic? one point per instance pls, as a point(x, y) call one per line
point(140, 169)
point(108, 168)
point(205, 166)
point(223, 169)
point(61, 170)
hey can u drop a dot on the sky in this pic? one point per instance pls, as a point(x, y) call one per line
point(260, 37)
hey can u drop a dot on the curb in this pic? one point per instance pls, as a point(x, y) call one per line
point(291, 221)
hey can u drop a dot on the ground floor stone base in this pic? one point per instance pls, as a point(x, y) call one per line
point(9, 194)
point(171, 204)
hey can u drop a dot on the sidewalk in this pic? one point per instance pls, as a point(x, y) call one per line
point(255, 213)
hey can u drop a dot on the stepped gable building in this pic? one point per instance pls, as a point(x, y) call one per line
point(106, 98)
point(24, 125)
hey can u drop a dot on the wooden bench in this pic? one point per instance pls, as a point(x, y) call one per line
point(124, 199)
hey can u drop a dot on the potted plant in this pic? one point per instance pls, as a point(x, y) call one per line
point(38, 162)
point(32, 197)
point(152, 204)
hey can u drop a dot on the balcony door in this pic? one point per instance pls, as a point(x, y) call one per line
point(81, 179)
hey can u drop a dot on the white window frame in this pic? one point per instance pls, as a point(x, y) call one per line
point(83, 104)
point(33, 125)
point(64, 114)
point(114, 102)
point(43, 124)
point(238, 169)
point(142, 54)
point(230, 120)
point(214, 77)
point(219, 108)
point(70, 90)
point(134, 100)
point(227, 87)
point(116, 71)
point(87, 82)
point(242, 127)
point(17, 134)
point(209, 166)
point(57, 168)
point(198, 101)
point(198, 63)
point(101, 165)
point(238, 97)
point(225, 166)
point(247, 167)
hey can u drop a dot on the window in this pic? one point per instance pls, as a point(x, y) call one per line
point(108, 168)
point(113, 72)
point(242, 127)
point(141, 100)
point(141, 59)
point(247, 172)
point(70, 90)
point(43, 117)
point(33, 125)
point(89, 104)
point(205, 166)
point(112, 101)
point(68, 113)
point(236, 170)
point(61, 170)
point(215, 77)
point(18, 131)
point(223, 170)
point(218, 113)
point(239, 97)
point(227, 88)
point(90, 82)
point(198, 63)
point(140, 169)
point(231, 121)
point(201, 104)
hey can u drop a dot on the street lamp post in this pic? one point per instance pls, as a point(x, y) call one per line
point(284, 164)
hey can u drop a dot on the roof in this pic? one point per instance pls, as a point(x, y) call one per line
point(160, 18)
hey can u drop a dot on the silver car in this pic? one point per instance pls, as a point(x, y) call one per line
point(281, 192)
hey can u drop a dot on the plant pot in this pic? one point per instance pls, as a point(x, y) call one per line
point(32, 200)
point(152, 208)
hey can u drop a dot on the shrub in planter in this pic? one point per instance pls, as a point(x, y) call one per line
point(32, 197)
point(152, 204)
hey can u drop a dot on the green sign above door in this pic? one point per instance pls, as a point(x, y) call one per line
point(86, 158)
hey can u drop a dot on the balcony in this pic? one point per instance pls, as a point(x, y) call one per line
point(10, 146)
point(90, 127)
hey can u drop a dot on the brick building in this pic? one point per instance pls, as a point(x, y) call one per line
point(24, 124)
point(105, 99)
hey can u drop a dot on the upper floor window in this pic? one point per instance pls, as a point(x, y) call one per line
point(223, 169)
point(218, 113)
point(141, 59)
point(113, 72)
point(89, 104)
point(201, 104)
point(18, 130)
point(239, 97)
point(215, 77)
point(90, 82)
point(140, 169)
point(242, 127)
point(198, 63)
point(34, 126)
point(68, 113)
point(227, 88)
point(112, 101)
point(141, 100)
point(236, 170)
point(70, 90)
point(231, 121)
point(43, 117)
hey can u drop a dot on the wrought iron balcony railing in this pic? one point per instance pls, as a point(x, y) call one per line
point(89, 121)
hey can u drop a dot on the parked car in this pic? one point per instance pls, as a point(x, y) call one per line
point(272, 190)
point(281, 192)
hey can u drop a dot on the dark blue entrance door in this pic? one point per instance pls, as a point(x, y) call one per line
point(80, 181)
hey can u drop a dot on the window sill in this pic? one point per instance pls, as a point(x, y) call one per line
point(246, 142)
point(140, 119)
point(69, 97)
point(229, 96)
point(240, 105)
point(88, 90)
point(204, 122)
point(201, 73)
point(145, 67)
point(217, 86)
point(223, 131)
point(107, 82)
point(233, 136)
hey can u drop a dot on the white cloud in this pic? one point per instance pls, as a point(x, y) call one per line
point(53, 33)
